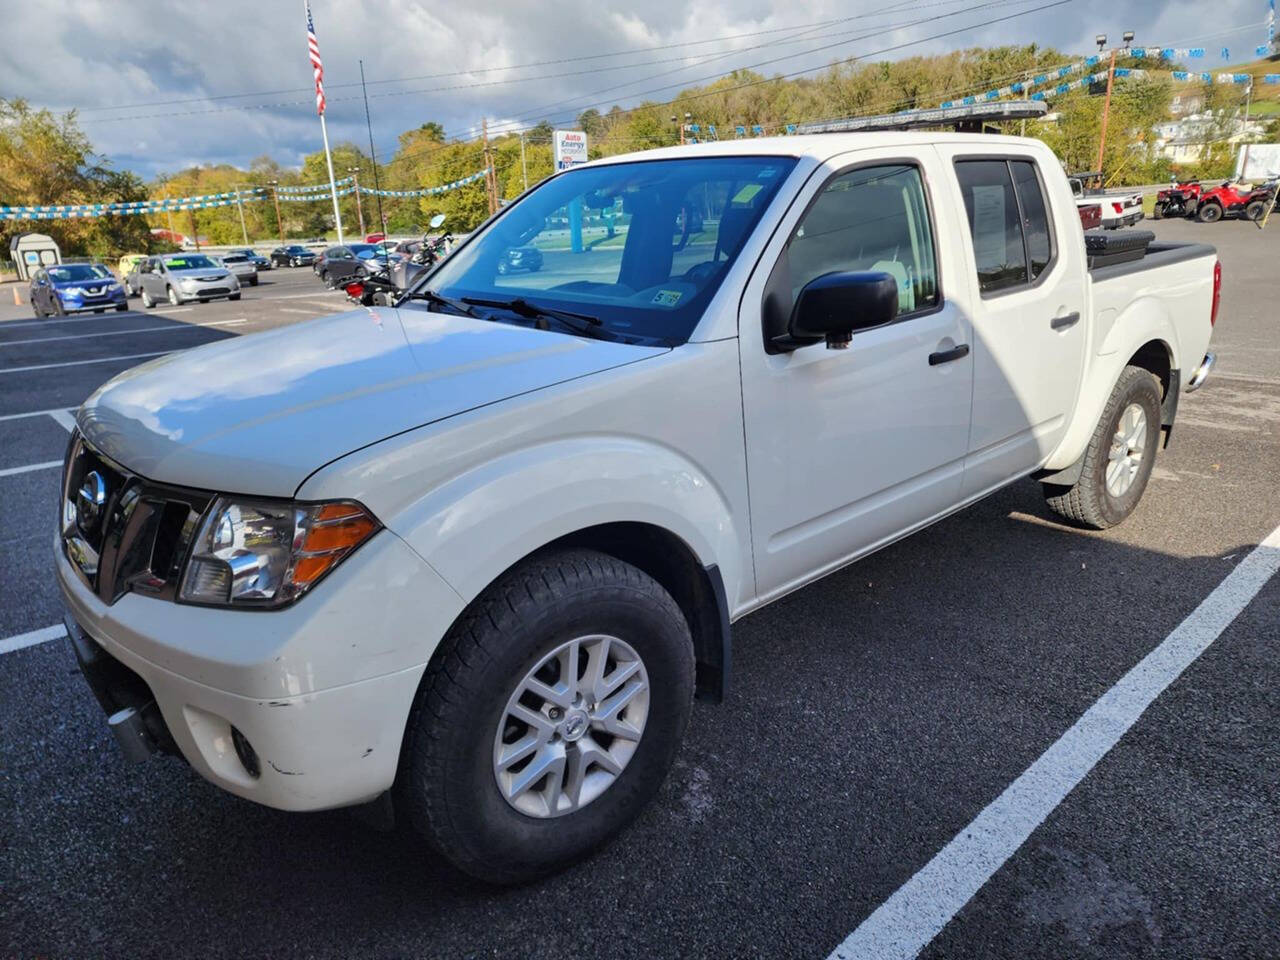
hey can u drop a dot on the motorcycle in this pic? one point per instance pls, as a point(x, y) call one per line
point(1179, 200)
point(429, 252)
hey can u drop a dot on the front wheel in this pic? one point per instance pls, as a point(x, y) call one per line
point(1157, 212)
point(121, 307)
point(234, 296)
point(174, 298)
point(253, 281)
point(548, 716)
point(1119, 458)
point(1209, 213)
point(146, 299)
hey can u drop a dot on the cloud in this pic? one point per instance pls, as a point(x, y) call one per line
point(105, 56)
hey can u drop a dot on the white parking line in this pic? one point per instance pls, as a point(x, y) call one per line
point(64, 418)
point(10, 324)
point(122, 333)
point(904, 924)
point(11, 471)
point(43, 635)
point(309, 313)
point(33, 413)
point(77, 363)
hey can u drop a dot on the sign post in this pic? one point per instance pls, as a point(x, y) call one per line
point(571, 150)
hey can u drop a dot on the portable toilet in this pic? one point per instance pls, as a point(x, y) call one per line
point(31, 251)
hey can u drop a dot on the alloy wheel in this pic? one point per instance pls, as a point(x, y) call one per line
point(1127, 449)
point(571, 726)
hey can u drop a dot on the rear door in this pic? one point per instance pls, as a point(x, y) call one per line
point(1026, 265)
point(847, 449)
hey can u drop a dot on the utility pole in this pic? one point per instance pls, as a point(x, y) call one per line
point(1106, 110)
point(490, 178)
point(275, 195)
point(355, 177)
point(195, 230)
point(244, 231)
point(524, 165)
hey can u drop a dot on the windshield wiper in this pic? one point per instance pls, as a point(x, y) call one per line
point(581, 323)
point(432, 297)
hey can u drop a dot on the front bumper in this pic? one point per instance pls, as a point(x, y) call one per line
point(320, 690)
point(209, 290)
point(78, 304)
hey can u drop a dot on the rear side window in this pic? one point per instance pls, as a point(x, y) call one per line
point(1008, 221)
point(870, 218)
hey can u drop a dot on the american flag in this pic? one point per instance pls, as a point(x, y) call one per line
point(317, 66)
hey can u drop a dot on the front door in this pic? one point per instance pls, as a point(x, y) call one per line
point(848, 449)
point(1027, 307)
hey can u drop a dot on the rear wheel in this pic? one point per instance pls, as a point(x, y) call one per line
point(548, 717)
point(1119, 458)
point(1209, 213)
point(1255, 210)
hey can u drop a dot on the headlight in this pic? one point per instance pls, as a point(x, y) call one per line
point(267, 553)
point(71, 291)
point(114, 288)
point(187, 284)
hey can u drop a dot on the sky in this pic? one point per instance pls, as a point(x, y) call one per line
point(161, 85)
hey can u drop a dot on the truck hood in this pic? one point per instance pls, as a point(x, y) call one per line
point(257, 414)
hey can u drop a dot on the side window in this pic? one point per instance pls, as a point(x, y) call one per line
point(1008, 221)
point(1035, 216)
point(872, 218)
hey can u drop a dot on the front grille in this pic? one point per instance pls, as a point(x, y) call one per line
point(212, 291)
point(121, 531)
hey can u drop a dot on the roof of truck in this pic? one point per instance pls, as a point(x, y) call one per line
point(821, 146)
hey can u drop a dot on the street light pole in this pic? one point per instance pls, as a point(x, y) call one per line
point(1111, 79)
point(275, 195)
point(524, 165)
point(244, 231)
point(355, 177)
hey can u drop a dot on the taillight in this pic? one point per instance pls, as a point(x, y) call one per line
point(1217, 292)
point(1119, 207)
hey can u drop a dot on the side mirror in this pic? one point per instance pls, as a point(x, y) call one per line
point(836, 305)
point(435, 221)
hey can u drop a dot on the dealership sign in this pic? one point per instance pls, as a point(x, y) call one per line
point(570, 148)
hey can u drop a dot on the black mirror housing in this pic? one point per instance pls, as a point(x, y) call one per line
point(836, 305)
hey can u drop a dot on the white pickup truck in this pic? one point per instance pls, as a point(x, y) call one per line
point(470, 557)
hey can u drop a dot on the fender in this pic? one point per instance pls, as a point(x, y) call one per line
point(474, 527)
point(1146, 319)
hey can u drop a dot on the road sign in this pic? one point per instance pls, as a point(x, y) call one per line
point(570, 148)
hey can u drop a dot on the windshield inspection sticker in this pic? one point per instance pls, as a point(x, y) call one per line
point(746, 193)
point(667, 298)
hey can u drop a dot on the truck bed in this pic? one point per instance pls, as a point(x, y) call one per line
point(1157, 255)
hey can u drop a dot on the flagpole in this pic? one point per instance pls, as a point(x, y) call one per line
point(333, 187)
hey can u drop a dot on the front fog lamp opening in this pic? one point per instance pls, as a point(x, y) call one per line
point(247, 755)
point(268, 553)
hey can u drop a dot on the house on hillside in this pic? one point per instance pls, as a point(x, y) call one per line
point(1184, 140)
point(1183, 104)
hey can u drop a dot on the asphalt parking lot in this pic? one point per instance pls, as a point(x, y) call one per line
point(873, 717)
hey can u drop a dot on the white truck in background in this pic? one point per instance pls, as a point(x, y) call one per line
point(470, 556)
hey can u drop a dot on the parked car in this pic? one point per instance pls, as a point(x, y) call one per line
point(1178, 200)
point(475, 561)
point(180, 277)
point(245, 270)
point(1118, 210)
point(521, 258)
point(375, 238)
point(125, 267)
point(257, 259)
point(294, 255)
point(74, 287)
point(351, 260)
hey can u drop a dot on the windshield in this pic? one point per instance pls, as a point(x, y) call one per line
point(643, 246)
point(296, 249)
point(80, 272)
point(193, 262)
point(365, 251)
point(238, 258)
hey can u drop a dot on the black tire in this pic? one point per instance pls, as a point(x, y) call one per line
point(324, 277)
point(174, 299)
point(147, 302)
point(58, 309)
point(1089, 503)
point(234, 296)
point(37, 309)
point(1256, 210)
point(100, 310)
point(1157, 212)
point(446, 782)
point(1209, 212)
point(253, 281)
point(121, 307)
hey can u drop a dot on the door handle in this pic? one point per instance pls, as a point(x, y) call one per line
point(946, 356)
point(1066, 320)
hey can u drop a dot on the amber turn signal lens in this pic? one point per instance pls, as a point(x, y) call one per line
point(334, 531)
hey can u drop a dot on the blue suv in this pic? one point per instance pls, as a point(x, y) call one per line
point(73, 287)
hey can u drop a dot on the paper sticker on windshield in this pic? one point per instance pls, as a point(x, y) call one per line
point(746, 193)
point(667, 298)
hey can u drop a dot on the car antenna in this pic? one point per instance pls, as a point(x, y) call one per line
point(373, 158)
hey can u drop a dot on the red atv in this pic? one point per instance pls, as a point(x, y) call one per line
point(1180, 200)
point(1236, 200)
